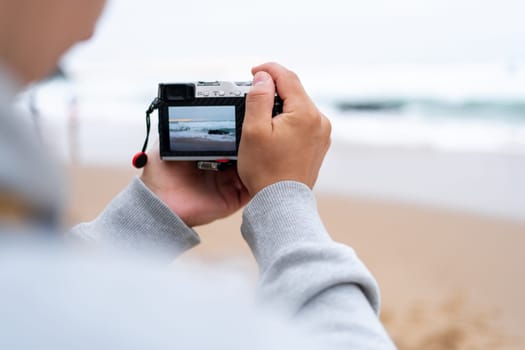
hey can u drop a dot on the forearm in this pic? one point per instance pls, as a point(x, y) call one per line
point(322, 284)
point(138, 222)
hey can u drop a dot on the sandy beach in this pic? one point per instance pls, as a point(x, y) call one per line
point(449, 280)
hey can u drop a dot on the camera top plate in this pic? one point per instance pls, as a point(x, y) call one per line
point(222, 89)
point(202, 89)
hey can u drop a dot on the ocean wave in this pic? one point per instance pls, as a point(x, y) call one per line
point(501, 110)
point(203, 135)
point(213, 130)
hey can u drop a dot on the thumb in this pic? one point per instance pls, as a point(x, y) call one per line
point(259, 103)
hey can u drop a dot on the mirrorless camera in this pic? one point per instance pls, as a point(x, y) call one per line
point(202, 121)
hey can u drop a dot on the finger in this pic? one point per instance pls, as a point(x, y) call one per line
point(287, 82)
point(227, 177)
point(259, 104)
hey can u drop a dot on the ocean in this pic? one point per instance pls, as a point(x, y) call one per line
point(218, 135)
point(220, 130)
point(446, 135)
point(463, 125)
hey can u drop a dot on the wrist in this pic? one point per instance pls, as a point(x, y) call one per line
point(260, 186)
point(281, 215)
point(166, 196)
point(138, 220)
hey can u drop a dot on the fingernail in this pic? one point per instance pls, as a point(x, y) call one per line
point(261, 78)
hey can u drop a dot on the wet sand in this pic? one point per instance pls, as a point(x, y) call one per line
point(201, 144)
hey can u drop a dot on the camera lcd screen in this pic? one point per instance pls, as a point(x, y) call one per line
point(202, 128)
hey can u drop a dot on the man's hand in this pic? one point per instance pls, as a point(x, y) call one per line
point(198, 197)
point(290, 146)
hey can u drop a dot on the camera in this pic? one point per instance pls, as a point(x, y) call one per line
point(202, 121)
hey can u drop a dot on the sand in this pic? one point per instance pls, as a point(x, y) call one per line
point(449, 280)
point(201, 144)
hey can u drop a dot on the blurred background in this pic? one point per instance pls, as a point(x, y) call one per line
point(425, 177)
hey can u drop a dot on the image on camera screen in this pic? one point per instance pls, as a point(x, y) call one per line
point(202, 128)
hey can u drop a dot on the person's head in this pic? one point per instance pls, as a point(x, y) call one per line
point(34, 34)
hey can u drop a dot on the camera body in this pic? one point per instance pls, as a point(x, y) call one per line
point(202, 121)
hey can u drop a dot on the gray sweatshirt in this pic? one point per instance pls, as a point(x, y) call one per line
point(316, 293)
point(317, 283)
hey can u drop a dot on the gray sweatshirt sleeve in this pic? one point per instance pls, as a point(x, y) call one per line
point(137, 221)
point(321, 284)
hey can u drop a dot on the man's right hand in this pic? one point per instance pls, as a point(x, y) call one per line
point(290, 146)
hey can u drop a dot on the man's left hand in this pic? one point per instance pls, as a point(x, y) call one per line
point(197, 196)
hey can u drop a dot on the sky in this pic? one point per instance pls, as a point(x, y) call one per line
point(446, 48)
point(199, 114)
point(321, 33)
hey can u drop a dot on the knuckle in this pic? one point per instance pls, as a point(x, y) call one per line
point(313, 118)
point(293, 76)
point(248, 131)
point(328, 126)
point(251, 133)
point(256, 95)
point(327, 133)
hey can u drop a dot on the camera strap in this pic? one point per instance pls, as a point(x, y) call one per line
point(141, 158)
